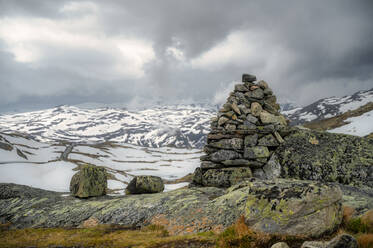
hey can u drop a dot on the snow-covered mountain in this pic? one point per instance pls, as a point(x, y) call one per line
point(174, 125)
point(328, 107)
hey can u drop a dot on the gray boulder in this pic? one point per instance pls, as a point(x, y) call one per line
point(145, 184)
point(89, 181)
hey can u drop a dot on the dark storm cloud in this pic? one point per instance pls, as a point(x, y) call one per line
point(305, 49)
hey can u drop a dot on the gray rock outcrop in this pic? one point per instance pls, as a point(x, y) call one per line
point(187, 210)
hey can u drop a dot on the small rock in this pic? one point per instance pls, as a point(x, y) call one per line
point(271, 99)
point(257, 94)
point(343, 240)
point(244, 109)
point(235, 108)
point(279, 138)
point(251, 118)
point(272, 169)
point(89, 181)
point(251, 140)
point(248, 78)
point(313, 244)
point(222, 155)
point(234, 143)
point(222, 120)
point(262, 84)
point(254, 87)
point(259, 173)
point(226, 107)
point(256, 152)
point(240, 88)
point(230, 127)
point(145, 184)
point(241, 163)
point(91, 222)
point(210, 165)
point(225, 177)
point(268, 118)
point(197, 176)
point(270, 108)
point(256, 109)
point(228, 114)
point(268, 91)
point(268, 140)
point(280, 245)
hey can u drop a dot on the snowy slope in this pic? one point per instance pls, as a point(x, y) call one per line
point(175, 125)
point(44, 168)
point(360, 126)
point(328, 107)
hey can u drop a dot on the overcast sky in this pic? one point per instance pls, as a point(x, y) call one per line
point(135, 52)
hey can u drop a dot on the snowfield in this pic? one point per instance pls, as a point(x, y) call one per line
point(359, 126)
point(43, 167)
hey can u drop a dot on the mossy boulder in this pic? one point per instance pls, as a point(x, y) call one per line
point(144, 185)
point(328, 157)
point(293, 207)
point(89, 181)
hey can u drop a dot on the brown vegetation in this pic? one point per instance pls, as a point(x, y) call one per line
point(101, 236)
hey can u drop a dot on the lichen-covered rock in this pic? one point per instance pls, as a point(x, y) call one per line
point(293, 207)
point(234, 143)
point(222, 155)
point(256, 109)
point(272, 169)
point(89, 181)
point(280, 245)
point(225, 177)
point(341, 241)
point(329, 157)
point(251, 140)
point(187, 210)
point(268, 140)
point(144, 185)
point(268, 118)
point(256, 152)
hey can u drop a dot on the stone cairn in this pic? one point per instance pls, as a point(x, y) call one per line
point(243, 137)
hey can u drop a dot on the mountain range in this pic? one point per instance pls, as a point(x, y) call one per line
point(183, 126)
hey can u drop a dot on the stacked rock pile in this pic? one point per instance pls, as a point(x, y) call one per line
point(243, 137)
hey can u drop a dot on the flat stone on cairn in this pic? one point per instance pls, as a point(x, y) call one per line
point(244, 135)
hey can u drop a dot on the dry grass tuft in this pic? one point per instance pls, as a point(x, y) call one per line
point(365, 240)
point(347, 214)
point(240, 235)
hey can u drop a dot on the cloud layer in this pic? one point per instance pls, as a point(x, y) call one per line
point(69, 52)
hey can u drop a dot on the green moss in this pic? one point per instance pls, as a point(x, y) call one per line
point(355, 225)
